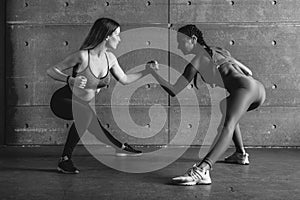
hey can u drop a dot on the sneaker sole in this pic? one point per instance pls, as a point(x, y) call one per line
point(237, 162)
point(66, 172)
point(128, 155)
point(192, 183)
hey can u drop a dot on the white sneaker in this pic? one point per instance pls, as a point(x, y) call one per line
point(194, 176)
point(238, 158)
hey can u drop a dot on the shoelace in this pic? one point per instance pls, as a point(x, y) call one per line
point(195, 173)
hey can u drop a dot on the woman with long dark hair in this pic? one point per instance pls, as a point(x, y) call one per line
point(91, 65)
point(216, 67)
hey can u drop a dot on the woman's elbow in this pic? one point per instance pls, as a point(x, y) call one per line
point(172, 94)
point(170, 91)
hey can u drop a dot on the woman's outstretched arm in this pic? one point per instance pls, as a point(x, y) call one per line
point(123, 77)
point(199, 61)
point(189, 73)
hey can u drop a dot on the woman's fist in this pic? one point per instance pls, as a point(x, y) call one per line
point(80, 81)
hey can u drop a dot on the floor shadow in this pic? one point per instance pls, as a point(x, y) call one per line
point(28, 169)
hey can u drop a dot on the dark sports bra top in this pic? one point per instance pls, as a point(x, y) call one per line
point(93, 82)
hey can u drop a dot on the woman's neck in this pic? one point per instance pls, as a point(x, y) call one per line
point(99, 50)
point(197, 49)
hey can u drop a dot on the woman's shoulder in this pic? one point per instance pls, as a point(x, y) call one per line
point(81, 57)
point(112, 59)
point(202, 56)
point(83, 54)
point(220, 50)
point(201, 61)
point(111, 55)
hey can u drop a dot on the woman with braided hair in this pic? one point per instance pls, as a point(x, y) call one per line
point(216, 67)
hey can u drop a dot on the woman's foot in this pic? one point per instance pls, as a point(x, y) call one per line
point(66, 166)
point(128, 150)
point(238, 158)
point(194, 176)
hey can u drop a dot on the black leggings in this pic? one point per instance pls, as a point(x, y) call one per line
point(69, 107)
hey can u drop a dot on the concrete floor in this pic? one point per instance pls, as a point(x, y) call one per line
point(30, 173)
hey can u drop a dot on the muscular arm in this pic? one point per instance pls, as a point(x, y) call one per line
point(57, 71)
point(124, 78)
point(189, 73)
point(181, 83)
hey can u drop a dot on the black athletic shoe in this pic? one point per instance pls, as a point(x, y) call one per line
point(128, 150)
point(66, 166)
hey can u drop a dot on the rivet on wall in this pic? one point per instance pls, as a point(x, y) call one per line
point(107, 3)
point(26, 4)
point(107, 125)
point(107, 86)
point(148, 3)
point(26, 86)
point(274, 86)
point(274, 42)
point(66, 43)
point(274, 126)
point(148, 43)
point(189, 3)
point(148, 125)
point(232, 3)
point(26, 43)
point(148, 86)
point(26, 125)
point(67, 125)
point(190, 125)
point(231, 42)
point(66, 4)
point(274, 2)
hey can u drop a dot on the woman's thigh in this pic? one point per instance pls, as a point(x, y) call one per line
point(238, 103)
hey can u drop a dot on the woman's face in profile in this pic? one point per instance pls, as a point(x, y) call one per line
point(114, 39)
point(185, 43)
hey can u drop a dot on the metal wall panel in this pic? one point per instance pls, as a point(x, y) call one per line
point(267, 126)
point(37, 125)
point(65, 12)
point(2, 72)
point(211, 11)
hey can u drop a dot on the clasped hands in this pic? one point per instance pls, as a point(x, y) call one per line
point(152, 66)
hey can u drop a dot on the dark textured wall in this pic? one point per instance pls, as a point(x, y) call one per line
point(263, 34)
point(2, 72)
